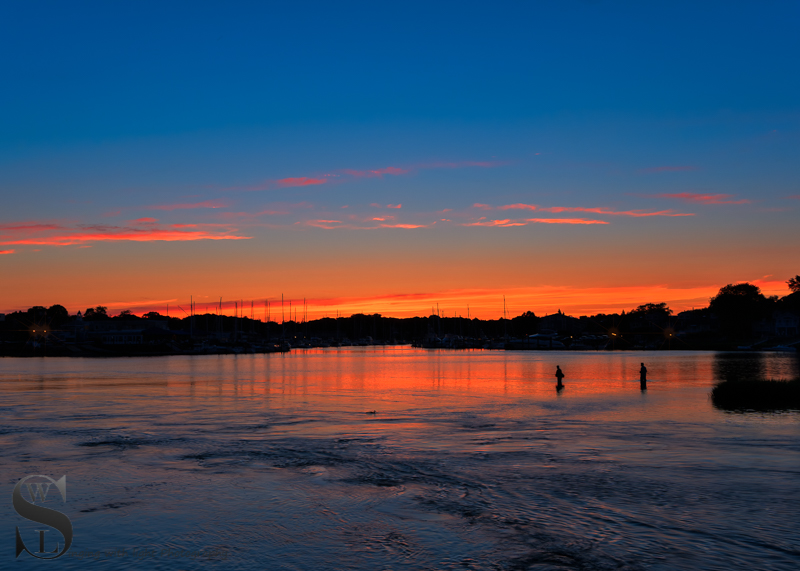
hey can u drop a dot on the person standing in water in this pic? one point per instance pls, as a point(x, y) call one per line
point(559, 376)
point(643, 377)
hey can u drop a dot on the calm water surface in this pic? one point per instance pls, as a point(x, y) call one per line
point(471, 461)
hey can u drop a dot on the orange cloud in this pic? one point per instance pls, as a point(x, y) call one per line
point(565, 221)
point(394, 206)
point(339, 225)
point(669, 169)
point(6, 252)
point(326, 224)
point(300, 181)
point(557, 209)
point(704, 198)
point(484, 222)
point(406, 226)
point(282, 183)
point(144, 220)
point(518, 206)
point(132, 236)
point(29, 226)
point(635, 213)
point(193, 205)
point(54, 235)
point(525, 221)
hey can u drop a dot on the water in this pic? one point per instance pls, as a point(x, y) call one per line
point(471, 461)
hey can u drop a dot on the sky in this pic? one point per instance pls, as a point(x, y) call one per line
point(394, 158)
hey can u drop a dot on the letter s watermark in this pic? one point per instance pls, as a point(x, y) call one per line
point(42, 515)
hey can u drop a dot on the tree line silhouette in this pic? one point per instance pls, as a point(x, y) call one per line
point(735, 315)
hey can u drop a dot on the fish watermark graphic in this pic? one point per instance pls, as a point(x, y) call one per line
point(38, 487)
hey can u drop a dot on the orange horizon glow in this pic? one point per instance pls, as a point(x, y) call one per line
point(480, 303)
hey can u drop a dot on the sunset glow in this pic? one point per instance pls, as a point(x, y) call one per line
point(481, 160)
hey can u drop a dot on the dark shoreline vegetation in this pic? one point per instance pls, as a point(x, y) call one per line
point(758, 395)
point(739, 317)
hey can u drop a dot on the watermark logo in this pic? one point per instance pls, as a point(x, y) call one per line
point(38, 487)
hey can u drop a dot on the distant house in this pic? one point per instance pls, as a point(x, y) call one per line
point(780, 324)
point(123, 338)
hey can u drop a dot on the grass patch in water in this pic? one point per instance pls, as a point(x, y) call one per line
point(765, 394)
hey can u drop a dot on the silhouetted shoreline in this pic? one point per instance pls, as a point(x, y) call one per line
point(739, 317)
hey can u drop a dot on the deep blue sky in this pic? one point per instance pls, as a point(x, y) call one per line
point(88, 71)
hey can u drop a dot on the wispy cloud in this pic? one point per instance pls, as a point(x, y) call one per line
point(343, 175)
point(375, 173)
point(518, 206)
point(327, 224)
point(794, 197)
point(507, 223)
point(340, 225)
point(669, 169)
point(502, 223)
point(697, 198)
point(594, 210)
point(634, 213)
point(300, 181)
point(462, 164)
point(565, 221)
point(192, 205)
point(29, 226)
point(6, 252)
point(288, 182)
point(143, 230)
